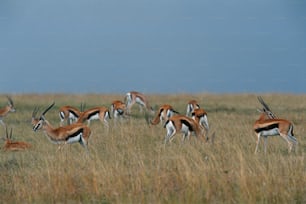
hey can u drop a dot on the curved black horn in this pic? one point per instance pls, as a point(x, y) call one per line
point(10, 100)
point(48, 109)
point(263, 103)
point(266, 107)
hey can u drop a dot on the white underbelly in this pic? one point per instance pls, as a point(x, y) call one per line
point(94, 117)
point(272, 132)
point(74, 139)
point(139, 101)
point(184, 129)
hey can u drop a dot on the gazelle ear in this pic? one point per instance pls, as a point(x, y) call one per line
point(11, 132)
point(6, 133)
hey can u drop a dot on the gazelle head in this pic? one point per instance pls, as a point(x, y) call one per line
point(266, 109)
point(11, 104)
point(38, 123)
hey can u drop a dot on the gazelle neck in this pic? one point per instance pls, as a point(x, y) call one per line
point(262, 117)
point(4, 111)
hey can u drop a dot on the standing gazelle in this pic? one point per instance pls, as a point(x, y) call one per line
point(5, 110)
point(164, 113)
point(118, 109)
point(76, 132)
point(191, 106)
point(184, 124)
point(98, 113)
point(135, 97)
point(200, 116)
point(268, 125)
point(69, 113)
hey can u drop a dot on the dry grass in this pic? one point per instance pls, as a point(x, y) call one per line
point(129, 164)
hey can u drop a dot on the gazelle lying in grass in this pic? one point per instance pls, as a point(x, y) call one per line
point(268, 125)
point(10, 145)
point(191, 106)
point(76, 132)
point(7, 109)
point(184, 124)
point(164, 113)
point(135, 97)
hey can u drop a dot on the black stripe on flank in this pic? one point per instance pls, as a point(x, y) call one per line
point(92, 114)
point(269, 127)
point(160, 111)
point(75, 134)
point(174, 111)
point(185, 122)
point(74, 113)
point(166, 123)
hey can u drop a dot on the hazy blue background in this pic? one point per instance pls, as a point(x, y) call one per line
point(159, 46)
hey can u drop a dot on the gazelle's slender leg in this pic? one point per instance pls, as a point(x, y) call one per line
point(2, 123)
point(258, 141)
point(265, 144)
point(186, 134)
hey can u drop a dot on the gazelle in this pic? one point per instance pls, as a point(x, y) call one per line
point(76, 132)
point(7, 109)
point(191, 106)
point(268, 125)
point(10, 145)
point(200, 116)
point(69, 113)
point(118, 109)
point(164, 113)
point(135, 97)
point(184, 124)
point(98, 113)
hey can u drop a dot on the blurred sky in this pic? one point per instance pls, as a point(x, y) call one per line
point(160, 46)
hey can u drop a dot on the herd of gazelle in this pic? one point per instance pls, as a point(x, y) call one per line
point(195, 121)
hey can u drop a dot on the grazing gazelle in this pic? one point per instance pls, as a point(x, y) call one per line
point(98, 113)
point(268, 125)
point(5, 110)
point(10, 145)
point(76, 132)
point(191, 106)
point(133, 97)
point(164, 113)
point(69, 113)
point(118, 109)
point(184, 124)
point(200, 116)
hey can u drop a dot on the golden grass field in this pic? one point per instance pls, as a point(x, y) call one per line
point(130, 164)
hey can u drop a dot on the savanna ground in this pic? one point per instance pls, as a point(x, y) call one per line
point(128, 163)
